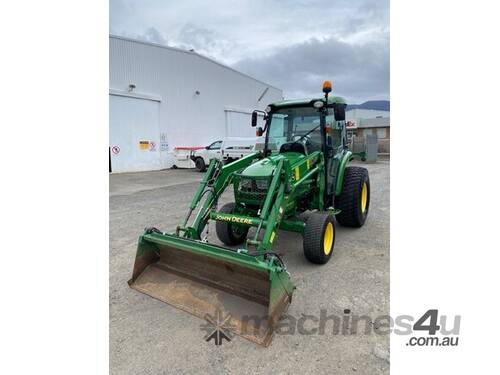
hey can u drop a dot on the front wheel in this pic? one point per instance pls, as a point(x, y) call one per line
point(354, 201)
point(319, 238)
point(229, 233)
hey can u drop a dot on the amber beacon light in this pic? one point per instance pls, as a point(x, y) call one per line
point(327, 87)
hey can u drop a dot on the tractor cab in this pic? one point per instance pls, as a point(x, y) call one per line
point(304, 126)
point(298, 128)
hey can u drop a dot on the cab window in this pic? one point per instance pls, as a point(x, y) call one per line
point(333, 133)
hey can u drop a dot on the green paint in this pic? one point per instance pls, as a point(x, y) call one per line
point(344, 162)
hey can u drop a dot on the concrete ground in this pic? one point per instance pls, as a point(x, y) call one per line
point(150, 337)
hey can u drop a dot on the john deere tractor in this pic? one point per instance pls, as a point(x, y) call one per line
point(302, 166)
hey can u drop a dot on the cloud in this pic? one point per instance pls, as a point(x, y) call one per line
point(151, 35)
point(204, 41)
point(290, 44)
point(358, 71)
point(154, 36)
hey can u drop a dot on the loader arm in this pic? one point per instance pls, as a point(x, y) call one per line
point(214, 183)
point(270, 214)
point(286, 190)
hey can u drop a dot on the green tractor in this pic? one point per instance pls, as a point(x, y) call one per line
point(302, 166)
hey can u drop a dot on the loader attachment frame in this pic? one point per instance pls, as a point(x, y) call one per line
point(249, 285)
point(217, 178)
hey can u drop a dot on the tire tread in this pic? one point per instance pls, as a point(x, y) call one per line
point(313, 238)
point(349, 200)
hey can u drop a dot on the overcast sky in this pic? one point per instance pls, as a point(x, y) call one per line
point(294, 44)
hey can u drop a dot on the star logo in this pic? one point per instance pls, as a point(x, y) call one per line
point(218, 327)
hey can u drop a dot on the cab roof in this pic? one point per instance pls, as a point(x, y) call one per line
point(306, 102)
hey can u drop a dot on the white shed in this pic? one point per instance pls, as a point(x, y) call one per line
point(161, 98)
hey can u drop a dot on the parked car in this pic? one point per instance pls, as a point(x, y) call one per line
point(227, 150)
point(202, 157)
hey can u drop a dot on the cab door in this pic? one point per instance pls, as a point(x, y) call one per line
point(334, 149)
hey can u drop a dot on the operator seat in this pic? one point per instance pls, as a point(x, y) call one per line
point(293, 147)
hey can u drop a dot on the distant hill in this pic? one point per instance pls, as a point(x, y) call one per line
point(379, 105)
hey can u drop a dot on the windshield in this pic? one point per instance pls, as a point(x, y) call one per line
point(300, 124)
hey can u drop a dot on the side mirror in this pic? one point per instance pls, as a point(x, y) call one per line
point(254, 119)
point(207, 147)
point(339, 112)
point(259, 131)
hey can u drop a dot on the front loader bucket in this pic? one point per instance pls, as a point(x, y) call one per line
point(211, 282)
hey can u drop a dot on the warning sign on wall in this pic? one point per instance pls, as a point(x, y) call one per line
point(144, 145)
point(163, 142)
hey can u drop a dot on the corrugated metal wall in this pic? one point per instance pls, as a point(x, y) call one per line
point(174, 76)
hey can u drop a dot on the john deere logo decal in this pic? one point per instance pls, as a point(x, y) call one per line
point(233, 219)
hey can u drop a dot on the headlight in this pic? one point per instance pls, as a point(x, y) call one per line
point(246, 184)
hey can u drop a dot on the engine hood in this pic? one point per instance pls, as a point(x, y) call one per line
point(266, 166)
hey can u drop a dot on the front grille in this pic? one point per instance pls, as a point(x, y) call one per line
point(252, 189)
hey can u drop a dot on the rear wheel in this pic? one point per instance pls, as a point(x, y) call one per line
point(200, 164)
point(354, 201)
point(319, 238)
point(229, 233)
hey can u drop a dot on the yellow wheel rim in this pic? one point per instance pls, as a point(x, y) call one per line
point(364, 197)
point(328, 238)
